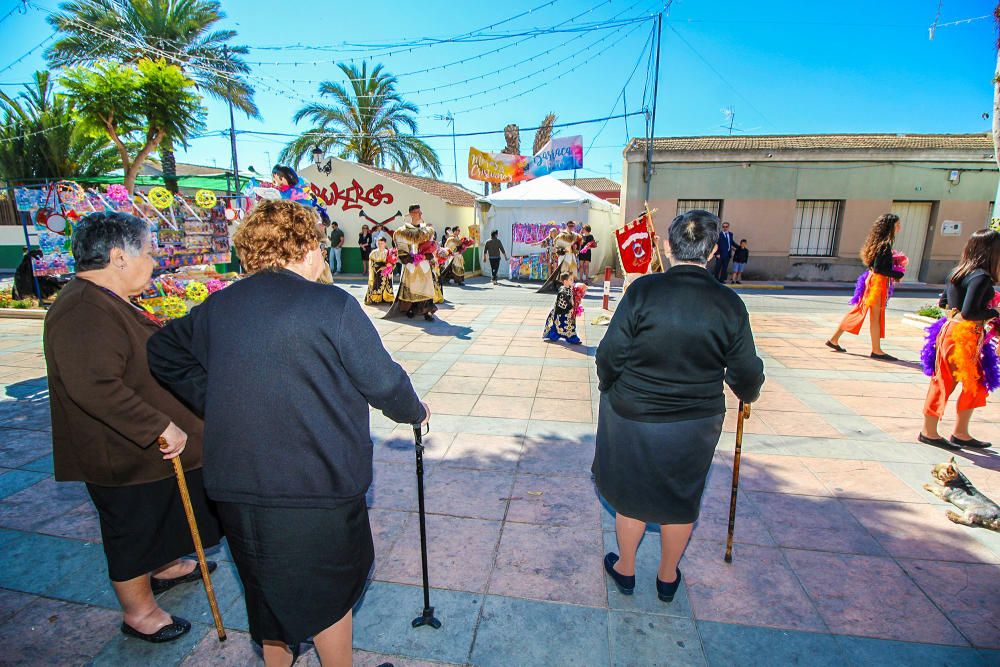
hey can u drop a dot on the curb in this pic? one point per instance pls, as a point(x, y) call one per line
point(22, 313)
point(918, 321)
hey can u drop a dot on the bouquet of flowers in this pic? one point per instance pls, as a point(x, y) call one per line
point(899, 261)
point(391, 259)
point(579, 291)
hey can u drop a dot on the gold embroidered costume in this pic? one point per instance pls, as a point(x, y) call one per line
point(379, 286)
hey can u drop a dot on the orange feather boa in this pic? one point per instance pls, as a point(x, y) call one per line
point(876, 291)
point(966, 338)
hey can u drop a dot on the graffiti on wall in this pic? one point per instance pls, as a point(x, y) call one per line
point(351, 197)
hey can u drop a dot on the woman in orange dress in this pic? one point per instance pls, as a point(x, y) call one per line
point(877, 256)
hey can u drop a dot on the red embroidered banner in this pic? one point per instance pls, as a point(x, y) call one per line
point(635, 245)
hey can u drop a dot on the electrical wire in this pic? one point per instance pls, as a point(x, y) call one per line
point(30, 51)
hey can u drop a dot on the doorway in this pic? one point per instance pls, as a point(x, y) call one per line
point(915, 219)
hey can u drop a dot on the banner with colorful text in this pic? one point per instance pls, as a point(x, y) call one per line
point(559, 154)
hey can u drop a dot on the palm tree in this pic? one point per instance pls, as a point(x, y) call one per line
point(183, 31)
point(544, 133)
point(368, 122)
point(40, 137)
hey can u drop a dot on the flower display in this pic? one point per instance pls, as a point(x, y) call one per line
point(196, 291)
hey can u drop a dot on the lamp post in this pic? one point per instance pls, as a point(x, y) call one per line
point(317, 154)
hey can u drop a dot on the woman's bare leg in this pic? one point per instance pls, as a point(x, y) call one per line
point(931, 426)
point(835, 339)
point(276, 654)
point(876, 330)
point(962, 425)
point(334, 644)
point(629, 532)
point(139, 606)
point(673, 540)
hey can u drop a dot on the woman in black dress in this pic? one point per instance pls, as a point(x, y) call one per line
point(673, 340)
point(365, 244)
point(274, 365)
point(587, 243)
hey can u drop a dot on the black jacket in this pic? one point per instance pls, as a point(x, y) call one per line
point(672, 341)
point(283, 370)
point(972, 296)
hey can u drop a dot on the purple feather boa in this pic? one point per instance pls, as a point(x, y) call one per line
point(991, 366)
point(859, 288)
point(929, 352)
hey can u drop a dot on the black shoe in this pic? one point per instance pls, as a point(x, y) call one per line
point(626, 585)
point(938, 442)
point(429, 318)
point(883, 357)
point(409, 314)
point(666, 592)
point(164, 585)
point(833, 346)
point(168, 633)
point(971, 442)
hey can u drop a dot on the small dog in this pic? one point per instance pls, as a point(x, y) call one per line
point(953, 486)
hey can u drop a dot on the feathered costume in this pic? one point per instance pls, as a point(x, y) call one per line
point(565, 247)
point(871, 294)
point(419, 284)
point(380, 268)
point(453, 268)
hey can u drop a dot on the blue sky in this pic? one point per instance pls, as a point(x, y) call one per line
point(785, 68)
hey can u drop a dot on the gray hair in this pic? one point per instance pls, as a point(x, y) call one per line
point(98, 233)
point(693, 236)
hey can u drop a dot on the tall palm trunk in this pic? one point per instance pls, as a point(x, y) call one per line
point(168, 164)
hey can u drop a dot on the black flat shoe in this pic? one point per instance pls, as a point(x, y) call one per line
point(167, 633)
point(429, 318)
point(833, 346)
point(164, 585)
point(626, 585)
point(883, 357)
point(938, 442)
point(971, 442)
point(409, 314)
point(666, 592)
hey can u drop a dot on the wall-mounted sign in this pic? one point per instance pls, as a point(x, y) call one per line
point(951, 228)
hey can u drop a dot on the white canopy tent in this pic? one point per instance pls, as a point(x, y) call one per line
point(543, 200)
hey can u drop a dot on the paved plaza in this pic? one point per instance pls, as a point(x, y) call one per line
point(841, 557)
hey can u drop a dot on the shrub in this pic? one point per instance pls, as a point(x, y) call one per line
point(931, 311)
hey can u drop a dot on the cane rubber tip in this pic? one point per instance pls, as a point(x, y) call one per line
point(729, 558)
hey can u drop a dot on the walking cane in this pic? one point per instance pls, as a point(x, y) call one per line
point(744, 414)
point(427, 617)
point(196, 538)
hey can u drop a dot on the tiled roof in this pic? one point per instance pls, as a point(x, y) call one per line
point(184, 169)
point(593, 184)
point(959, 142)
point(450, 192)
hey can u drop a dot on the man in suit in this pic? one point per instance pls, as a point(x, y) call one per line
point(723, 253)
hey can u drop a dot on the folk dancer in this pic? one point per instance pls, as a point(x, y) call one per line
point(961, 347)
point(419, 284)
point(566, 245)
point(381, 263)
point(561, 322)
point(454, 267)
point(874, 286)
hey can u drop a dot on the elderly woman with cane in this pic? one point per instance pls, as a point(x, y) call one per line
point(274, 365)
point(109, 415)
point(673, 341)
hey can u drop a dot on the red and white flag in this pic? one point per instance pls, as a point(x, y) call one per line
point(635, 245)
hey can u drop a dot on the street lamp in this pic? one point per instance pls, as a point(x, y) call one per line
point(317, 154)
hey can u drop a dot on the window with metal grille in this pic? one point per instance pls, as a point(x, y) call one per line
point(814, 233)
point(710, 205)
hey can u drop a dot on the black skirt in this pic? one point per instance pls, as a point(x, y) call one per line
point(654, 471)
point(302, 569)
point(144, 527)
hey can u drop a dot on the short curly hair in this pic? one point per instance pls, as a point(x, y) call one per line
point(275, 234)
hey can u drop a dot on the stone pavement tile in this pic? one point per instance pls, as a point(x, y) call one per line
point(526, 351)
point(479, 494)
point(81, 523)
point(647, 563)
point(828, 448)
point(397, 446)
point(866, 406)
point(20, 446)
point(484, 425)
point(576, 390)
point(382, 623)
point(645, 639)
point(50, 632)
point(713, 520)
point(518, 371)
point(189, 600)
point(238, 650)
point(797, 423)
point(911, 530)
point(864, 651)
point(870, 596)
point(868, 480)
point(459, 552)
point(754, 425)
point(909, 452)
point(726, 644)
point(44, 464)
point(12, 602)
point(35, 563)
point(393, 487)
point(122, 650)
point(550, 563)
point(459, 384)
point(511, 387)
point(503, 406)
point(557, 409)
point(387, 525)
point(88, 585)
point(560, 351)
point(471, 369)
point(968, 594)
point(368, 659)
point(553, 455)
point(485, 452)
point(570, 374)
point(449, 404)
point(13, 481)
point(529, 633)
point(810, 522)
point(562, 501)
point(235, 616)
point(778, 474)
point(903, 428)
point(757, 588)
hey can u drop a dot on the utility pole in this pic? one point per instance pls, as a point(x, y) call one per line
point(232, 121)
point(652, 118)
point(450, 118)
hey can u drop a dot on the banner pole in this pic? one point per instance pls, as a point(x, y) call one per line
point(652, 235)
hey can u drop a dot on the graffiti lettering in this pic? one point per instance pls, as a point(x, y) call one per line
point(353, 196)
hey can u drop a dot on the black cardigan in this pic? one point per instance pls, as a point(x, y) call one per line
point(672, 341)
point(284, 370)
point(972, 297)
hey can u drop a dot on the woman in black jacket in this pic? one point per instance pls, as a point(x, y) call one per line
point(273, 363)
point(876, 253)
point(673, 340)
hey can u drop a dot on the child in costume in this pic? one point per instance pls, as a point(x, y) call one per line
point(561, 322)
point(382, 261)
point(961, 347)
point(874, 286)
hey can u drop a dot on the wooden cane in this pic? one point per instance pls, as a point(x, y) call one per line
point(196, 538)
point(744, 414)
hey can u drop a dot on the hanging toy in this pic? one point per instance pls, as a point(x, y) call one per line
point(230, 212)
point(196, 291)
point(52, 221)
point(118, 194)
point(160, 197)
point(70, 193)
point(205, 198)
point(174, 307)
